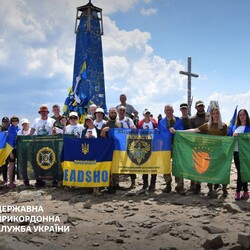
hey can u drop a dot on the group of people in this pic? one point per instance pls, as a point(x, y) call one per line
point(124, 115)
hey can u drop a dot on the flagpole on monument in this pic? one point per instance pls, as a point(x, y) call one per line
point(189, 74)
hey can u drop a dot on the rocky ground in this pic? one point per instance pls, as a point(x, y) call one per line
point(128, 219)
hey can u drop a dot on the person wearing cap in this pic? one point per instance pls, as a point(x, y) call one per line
point(126, 122)
point(25, 130)
point(99, 115)
point(111, 123)
point(13, 129)
point(90, 130)
point(169, 122)
point(148, 123)
point(74, 128)
point(44, 124)
point(131, 112)
point(197, 120)
point(185, 118)
point(4, 168)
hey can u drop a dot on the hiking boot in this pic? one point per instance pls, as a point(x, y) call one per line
point(210, 192)
point(12, 185)
point(54, 183)
point(197, 189)
point(245, 196)
point(26, 183)
point(132, 186)
point(167, 189)
point(40, 183)
point(151, 188)
point(145, 186)
point(237, 196)
point(111, 190)
point(225, 193)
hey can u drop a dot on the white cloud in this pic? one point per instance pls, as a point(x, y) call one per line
point(148, 12)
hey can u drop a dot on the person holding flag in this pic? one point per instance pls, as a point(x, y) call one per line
point(242, 126)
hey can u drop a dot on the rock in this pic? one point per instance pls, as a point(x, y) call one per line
point(109, 210)
point(235, 247)
point(119, 240)
point(159, 229)
point(213, 229)
point(148, 203)
point(185, 237)
point(95, 244)
point(214, 242)
point(38, 240)
point(206, 222)
point(230, 207)
point(87, 204)
point(244, 240)
point(129, 215)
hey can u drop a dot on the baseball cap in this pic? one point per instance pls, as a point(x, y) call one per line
point(199, 103)
point(146, 111)
point(89, 117)
point(183, 105)
point(5, 119)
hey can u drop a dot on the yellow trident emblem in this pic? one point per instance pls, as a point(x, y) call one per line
point(85, 148)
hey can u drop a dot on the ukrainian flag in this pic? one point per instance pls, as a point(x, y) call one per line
point(87, 162)
point(141, 151)
point(5, 147)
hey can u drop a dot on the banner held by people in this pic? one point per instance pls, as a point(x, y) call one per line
point(141, 151)
point(202, 158)
point(244, 149)
point(87, 162)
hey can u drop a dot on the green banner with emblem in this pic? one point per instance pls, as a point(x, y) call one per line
point(244, 149)
point(39, 156)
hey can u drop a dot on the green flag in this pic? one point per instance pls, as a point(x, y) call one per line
point(202, 158)
point(244, 149)
point(39, 155)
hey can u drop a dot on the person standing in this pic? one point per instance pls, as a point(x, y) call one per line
point(13, 129)
point(197, 120)
point(126, 122)
point(131, 112)
point(242, 126)
point(74, 128)
point(111, 123)
point(42, 126)
point(148, 123)
point(25, 130)
point(56, 112)
point(168, 122)
point(4, 168)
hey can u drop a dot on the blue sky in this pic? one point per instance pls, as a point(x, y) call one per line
point(145, 45)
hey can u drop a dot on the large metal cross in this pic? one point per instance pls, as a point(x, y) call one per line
point(189, 74)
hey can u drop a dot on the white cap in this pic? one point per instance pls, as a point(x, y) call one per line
point(73, 114)
point(24, 120)
point(146, 111)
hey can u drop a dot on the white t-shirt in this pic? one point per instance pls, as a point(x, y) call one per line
point(23, 132)
point(43, 127)
point(74, 130)
point(99, 124)
point(238, 130)
point(127, 122)
point(92, 131)
point(148, 125)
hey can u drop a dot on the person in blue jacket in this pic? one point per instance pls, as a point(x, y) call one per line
point(242, 126)
point(170, 121)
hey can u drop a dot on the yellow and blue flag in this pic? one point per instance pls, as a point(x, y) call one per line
point(87, 162)
point(141, 151)
point(6, 147)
